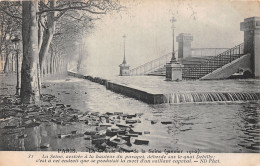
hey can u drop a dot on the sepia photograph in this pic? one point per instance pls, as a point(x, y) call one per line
point(130, 76)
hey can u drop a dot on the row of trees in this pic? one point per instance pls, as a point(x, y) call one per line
point(50, 30)
point(8, 27)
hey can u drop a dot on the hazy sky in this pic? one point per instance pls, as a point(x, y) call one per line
point(148, 29)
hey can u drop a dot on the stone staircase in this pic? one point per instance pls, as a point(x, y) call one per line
point(151, 66)
point(197, 67)
point(214, 63)
point(188, 62)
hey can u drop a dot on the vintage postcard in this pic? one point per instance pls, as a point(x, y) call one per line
point(126, 82)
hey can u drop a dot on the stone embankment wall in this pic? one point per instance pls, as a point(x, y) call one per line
point(177, 97)
point(124, 89)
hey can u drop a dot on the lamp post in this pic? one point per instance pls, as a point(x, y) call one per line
point(174, 68)
point(124, 68)
point(124, 61)
point(16, 41)
point(173, 59)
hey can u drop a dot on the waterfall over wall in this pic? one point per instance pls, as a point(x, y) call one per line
point(178, 97)
point(193, 97)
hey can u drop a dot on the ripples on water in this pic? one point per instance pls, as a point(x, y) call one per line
point(214, 127)
point(210, 127)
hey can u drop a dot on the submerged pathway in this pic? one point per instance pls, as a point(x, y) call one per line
point(218, 127)
point(155, 90)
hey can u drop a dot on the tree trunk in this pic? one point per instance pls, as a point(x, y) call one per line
point(48, 33)
point(30, 92)
point(12, 63)
point(47, 66)
point(59, 64)
point(40, 31)
point(6, 63)
point(18, 74)
point(51, 61)
point(53, 64)
point(43, 69)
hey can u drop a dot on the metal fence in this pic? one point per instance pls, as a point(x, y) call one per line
point(215, 62)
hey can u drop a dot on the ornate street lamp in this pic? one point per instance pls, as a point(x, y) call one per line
point(173, 59)
point(174, 68)
point(124, 61)
point(16, 41)
point(124, 68)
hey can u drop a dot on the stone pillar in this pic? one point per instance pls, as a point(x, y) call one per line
point(251, 28)
point(124, 69)
point(184, 50)
point(174, 71)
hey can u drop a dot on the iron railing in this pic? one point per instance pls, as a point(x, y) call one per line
point(213, 63)
point(200, 52)
point(152, 65)
point(161, 61)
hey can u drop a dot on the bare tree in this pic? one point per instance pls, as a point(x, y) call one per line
point(41, 17)
point(8, 28)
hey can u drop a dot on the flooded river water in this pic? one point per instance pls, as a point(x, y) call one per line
point(207, 127)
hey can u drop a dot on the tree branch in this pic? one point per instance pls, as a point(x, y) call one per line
point(60, 14)
point(9, 14)
point(71, 8)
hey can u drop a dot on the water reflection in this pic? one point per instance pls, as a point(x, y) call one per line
point(250, 126)
point(210, 127)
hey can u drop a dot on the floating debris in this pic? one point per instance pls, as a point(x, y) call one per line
point(22, 136)
point(166, 122)
point(141, 142)
point(99, 141)
point(126, 148)
point(45, 145)
point(110, 131)
point(63, 135)
point(118, 113)
point(74, 132)
point(136, 132)
point(154, 121)
point(10, 127)
point(130, 121)
point(132, 135)
point(91, 132)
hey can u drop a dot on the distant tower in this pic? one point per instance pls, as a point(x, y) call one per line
point(174, 68)
point(124, 68)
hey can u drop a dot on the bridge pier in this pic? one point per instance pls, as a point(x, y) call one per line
point(184, 41)
point(251, 28)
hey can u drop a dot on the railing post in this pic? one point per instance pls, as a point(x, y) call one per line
point(230, 56)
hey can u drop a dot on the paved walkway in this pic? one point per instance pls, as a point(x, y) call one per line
point(157, 84)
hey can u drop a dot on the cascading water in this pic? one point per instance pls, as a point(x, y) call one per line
point(194, 97)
